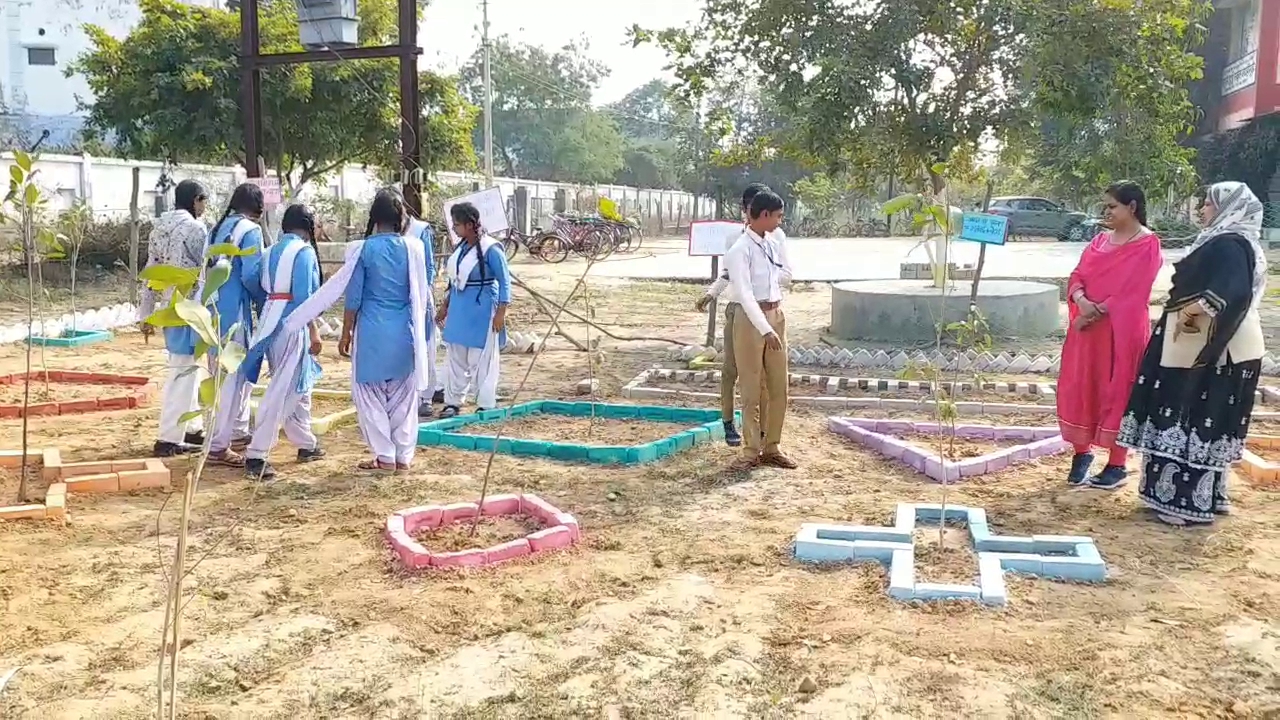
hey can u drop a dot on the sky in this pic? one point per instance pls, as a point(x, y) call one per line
point(553, 23)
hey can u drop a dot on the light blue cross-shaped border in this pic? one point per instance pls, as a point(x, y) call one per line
point(1059, 557)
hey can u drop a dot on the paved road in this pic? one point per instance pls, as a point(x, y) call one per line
point(830, 260)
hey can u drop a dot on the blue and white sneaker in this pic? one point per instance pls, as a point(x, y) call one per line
point(1079, 474)
point(1112, 477)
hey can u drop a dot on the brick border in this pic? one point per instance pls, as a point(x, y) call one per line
point(637, 390)
point(706, 426)
point(98, 476)
point(1261, 472)
point(560, 531)
point(143, 391)
point(72, 338)
point(319, 425)
point(875, 434)
point(1058, 557)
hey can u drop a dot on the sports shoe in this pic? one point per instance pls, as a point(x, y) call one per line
point(1079, 474)
point(731, 436)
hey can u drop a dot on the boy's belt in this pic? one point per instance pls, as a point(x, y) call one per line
point(280, 296)
point(769, 304)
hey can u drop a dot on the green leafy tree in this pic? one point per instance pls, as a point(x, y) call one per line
point(172, 89)
point(894, 88)
point(544, 127)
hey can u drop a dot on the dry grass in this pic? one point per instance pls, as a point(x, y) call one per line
point(682, 599)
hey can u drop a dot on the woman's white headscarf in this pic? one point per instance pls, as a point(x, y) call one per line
point(1240, 212)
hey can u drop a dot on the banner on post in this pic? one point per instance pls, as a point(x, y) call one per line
point(270, 186)
point(984, 228)
point(492, 207)
point(711, 238)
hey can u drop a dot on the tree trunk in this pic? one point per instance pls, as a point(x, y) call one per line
point(133, 237)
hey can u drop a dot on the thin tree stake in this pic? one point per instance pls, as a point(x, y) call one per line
point(488, 466)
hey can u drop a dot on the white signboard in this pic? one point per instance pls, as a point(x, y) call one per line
point(270, 186)
point(493, 212)
point(712, 237)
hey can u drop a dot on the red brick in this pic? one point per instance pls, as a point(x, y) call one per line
point(501, 505)
point(22, 512)
point(41, 409)
point(417, 518)
point(536, 507)
point(116, 403)
point(6, 379)
point(551, 538)
point(458, 511)
point(462, 558)
point(87, 468)
point(10, 411)
point(509, 551)
point(104, 483)
point(142, 479)
point(72, 407)
point(131, 379)
point(102, 378)
point(77, 376)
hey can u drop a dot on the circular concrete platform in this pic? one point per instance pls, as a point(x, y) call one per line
point(908, 310)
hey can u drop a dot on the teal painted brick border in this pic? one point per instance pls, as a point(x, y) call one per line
point(706, 426)
point(73, 338)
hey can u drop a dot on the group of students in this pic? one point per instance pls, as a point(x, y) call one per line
point(757, 268)
point(272, 300)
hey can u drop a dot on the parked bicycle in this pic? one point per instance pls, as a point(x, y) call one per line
point(544, 245)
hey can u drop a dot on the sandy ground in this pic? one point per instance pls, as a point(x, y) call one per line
point(682, 600)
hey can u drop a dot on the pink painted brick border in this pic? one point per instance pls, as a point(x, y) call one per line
point(561, 531)
point(876, 434)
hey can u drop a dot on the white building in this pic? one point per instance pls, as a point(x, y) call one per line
point(41, 38)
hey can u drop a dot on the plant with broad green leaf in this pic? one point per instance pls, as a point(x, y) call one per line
point(190, 303)
point(23, 205)
point(938, 219)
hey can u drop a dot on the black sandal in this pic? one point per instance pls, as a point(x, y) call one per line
point(450, 411)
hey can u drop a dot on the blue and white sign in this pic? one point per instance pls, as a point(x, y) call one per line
point(984, 228)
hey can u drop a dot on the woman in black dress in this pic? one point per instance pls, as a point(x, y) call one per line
point(1190, 406)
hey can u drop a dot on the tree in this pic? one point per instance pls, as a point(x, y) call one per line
point(894, 88)
point(171, 89)
point(542, 113)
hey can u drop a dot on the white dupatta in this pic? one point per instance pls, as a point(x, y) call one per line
point(465, 259)
point(333, 288)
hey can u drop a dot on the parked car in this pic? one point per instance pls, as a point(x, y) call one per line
point(1037, 217)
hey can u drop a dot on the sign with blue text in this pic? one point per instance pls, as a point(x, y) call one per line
point(984, 228)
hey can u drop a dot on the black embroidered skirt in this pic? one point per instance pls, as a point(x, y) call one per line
point(1191, 424)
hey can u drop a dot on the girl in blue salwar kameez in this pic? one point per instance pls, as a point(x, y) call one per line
point(474, 312)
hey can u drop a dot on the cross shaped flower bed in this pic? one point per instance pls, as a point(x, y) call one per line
point(879, 435)
point(72, 392)
point(558, 530)
point(610, 434)
point(1260, 463)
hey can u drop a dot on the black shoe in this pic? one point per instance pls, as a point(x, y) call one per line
point(450, 411)
point(256, 469)
point(437, 398)
point(1079, 474)
point(425, 411)
point(731, 436)
point(164, 449)
point(1112, 477)
point(194, 438)
point(306, 456)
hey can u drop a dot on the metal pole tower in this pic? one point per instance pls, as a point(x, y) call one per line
point(488, 100)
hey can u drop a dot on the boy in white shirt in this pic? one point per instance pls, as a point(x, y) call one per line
point(758, 270)
point(729, 371)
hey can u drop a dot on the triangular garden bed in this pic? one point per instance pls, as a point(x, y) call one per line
point(879, 435)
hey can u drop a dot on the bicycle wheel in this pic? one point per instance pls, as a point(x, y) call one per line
point(510, 246)
point(550, 247)
point(598, 244)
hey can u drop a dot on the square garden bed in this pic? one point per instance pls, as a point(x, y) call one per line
point(72, 338)
point(578, 431)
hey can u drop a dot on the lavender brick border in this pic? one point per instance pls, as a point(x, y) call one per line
point(1040, 442)
point(1062, 557)
point(637, 389)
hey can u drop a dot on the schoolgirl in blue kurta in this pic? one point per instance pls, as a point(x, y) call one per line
point(289, 275)
point(234, 306)
point(474, 312)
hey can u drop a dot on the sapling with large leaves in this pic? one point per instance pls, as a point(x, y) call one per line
point(191, 295)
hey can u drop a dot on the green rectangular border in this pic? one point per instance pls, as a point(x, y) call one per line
point(705, 425)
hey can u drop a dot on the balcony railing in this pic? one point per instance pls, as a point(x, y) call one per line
point(1240, 74)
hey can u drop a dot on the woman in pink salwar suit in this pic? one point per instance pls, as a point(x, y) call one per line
point(1107, 299)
